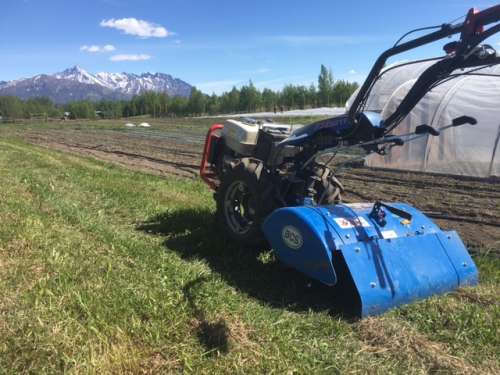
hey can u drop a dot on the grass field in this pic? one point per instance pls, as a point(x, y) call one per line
point(108, 270)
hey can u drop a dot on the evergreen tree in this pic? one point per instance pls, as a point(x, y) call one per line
point(11, 107)
point(231, 101)
point(249, 98)
point(269, 99)
point(312, 96)
point(214, 104)
point(197, 102)
point(325, 86)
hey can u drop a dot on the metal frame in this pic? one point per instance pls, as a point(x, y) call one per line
point(471, 32)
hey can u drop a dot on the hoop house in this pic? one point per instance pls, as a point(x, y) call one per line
point(466, 150)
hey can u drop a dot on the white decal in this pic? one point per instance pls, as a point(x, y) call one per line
point(360, 206)
point(351, 222)
point(363, 222)
point(389, 234)
point(292, 237)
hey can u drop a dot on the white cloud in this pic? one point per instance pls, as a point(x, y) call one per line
point(91, 49)
point(140, 28)
point(130, 57)
point(96, 49)
point(352, 71)
point(108, 48)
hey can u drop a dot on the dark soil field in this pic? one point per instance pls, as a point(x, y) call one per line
point(173, 148)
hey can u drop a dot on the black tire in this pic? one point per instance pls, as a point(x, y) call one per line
point(328, 189)
point(241, 204)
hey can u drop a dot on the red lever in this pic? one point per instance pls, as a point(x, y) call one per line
point(471, 24)
point(476, 20)
point(487, 16)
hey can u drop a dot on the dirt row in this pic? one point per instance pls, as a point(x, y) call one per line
point(470, 206)
point(160, 156)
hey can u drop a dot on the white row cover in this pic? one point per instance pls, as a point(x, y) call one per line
point(465, 150)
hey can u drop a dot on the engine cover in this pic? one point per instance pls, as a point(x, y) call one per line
point(241, 135)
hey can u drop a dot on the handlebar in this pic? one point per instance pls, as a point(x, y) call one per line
point(472, 33)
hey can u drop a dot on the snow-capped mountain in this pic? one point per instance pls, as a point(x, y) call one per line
point(77, 84)
point(134, 84)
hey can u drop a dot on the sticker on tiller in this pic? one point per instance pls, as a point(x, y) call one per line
point(351, 222)
point(292, 237)
point(360, 206)
point(388, 234)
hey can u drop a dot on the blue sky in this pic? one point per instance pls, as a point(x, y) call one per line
point(213, 44)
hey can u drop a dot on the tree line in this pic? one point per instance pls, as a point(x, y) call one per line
point(248, 98)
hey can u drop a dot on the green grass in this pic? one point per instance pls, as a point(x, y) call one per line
point(104, 270)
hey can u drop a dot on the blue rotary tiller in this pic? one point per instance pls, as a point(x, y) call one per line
point(275, 185)
point(383, 256)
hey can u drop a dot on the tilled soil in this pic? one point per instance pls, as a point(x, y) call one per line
point(134, 150)
point(470, 206)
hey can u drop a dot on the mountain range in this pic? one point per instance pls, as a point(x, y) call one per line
point(77, 84)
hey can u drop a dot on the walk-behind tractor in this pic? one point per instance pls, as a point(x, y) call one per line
point(274, 185)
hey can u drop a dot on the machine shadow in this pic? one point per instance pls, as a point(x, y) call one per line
point(194, 234)
point(214, 336)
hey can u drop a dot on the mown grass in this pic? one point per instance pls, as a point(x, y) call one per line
point(104, 270)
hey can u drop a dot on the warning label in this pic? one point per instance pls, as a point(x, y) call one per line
point(351, 222)
point(360, 206)
point(388, 234)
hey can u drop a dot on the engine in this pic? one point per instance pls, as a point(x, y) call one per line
point(253, 170)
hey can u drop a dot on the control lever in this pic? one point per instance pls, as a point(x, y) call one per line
point(379, 215)
point(462, 120)
point(426, 129)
